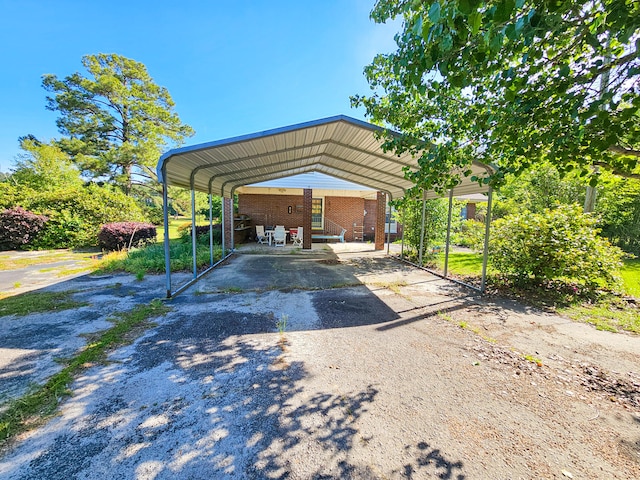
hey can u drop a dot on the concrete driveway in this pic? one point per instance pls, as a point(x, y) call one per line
point(372, 377)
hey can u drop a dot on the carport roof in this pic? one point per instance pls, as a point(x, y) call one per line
point(340, 146)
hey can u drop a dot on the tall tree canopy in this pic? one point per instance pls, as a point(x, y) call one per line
point(44, 167)
point(510, 82)
point(116, 121)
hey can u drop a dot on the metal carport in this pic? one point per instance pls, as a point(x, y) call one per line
point(340, 146)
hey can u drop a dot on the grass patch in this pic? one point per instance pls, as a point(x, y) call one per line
point(606, 311)
point(65, 272)
point(150, 259)
point(611, 314)
point(393, 286)
point(461, 263)
point(630, 273)
point(35, 407)
point(532, 359)
point(44, 257)
point(174, 225)
point(35, 302)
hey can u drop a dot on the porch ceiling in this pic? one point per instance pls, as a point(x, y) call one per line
point(339, 146)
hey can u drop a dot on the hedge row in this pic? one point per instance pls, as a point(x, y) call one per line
point(125, 235)
point(18, 227)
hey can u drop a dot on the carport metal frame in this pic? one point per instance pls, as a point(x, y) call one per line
point(340, 146)
point(485, 248)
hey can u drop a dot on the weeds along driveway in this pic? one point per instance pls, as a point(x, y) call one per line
point(372, 377)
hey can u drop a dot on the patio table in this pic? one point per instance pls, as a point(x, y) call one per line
point(269, 234)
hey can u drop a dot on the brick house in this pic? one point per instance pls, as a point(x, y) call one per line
point(336, 205)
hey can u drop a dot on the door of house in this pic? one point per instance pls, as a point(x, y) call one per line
point(317, 217)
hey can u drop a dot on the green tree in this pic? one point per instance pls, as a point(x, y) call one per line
point(116, 121)
point(44, 167)
point(409, 214)
point(536, 189)
point(510, 82)
point(618, 210)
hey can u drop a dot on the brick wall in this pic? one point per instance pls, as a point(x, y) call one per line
point(345, 211)
point(370, 220)
point(471, 211)
point(272, 209)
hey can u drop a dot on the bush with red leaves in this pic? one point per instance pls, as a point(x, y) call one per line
point(18, 227)
point(124, 235)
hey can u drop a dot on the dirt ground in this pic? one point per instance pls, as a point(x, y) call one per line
point(382, 371)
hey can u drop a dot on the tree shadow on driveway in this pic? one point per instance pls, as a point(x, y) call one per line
point(210, 393)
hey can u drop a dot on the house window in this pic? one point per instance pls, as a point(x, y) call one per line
point(316, 214)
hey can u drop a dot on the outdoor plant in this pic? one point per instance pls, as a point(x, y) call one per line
point(18, 227)
point(409, 213)
point(471, 235)
point(202, 233)
point(125, 235)
point(77, 213)
point(558, 244)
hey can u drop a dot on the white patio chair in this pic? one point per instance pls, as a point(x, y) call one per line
point(279, 236)
point(297, 238)
point(261, 237)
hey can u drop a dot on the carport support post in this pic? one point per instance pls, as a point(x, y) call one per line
point(404, 211)
point(210, 228)
point(222, 225)
point(424, 206)
point(193, 231)
point(165, 219)
point(446, 246)
point(485, 254)
point(389, 230)
point(307, 205)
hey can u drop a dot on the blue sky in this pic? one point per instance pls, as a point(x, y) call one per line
point(232, 67)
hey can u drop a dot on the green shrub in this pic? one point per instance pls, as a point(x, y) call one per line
point(409, 214)
point(64, 229)
point(471, 235)
point(202, 233)
point(76, 214)
point(619, 211)
point(18, 227)
point(125, 235)
point(562, 243)
point(154, 214)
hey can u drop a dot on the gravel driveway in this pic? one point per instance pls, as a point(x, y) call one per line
point(372, 377)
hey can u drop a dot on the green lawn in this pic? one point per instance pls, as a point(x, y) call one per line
point(471, 264)
point(174, 224)
point(610, 312)
point(461, 263)
point(631, 277)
